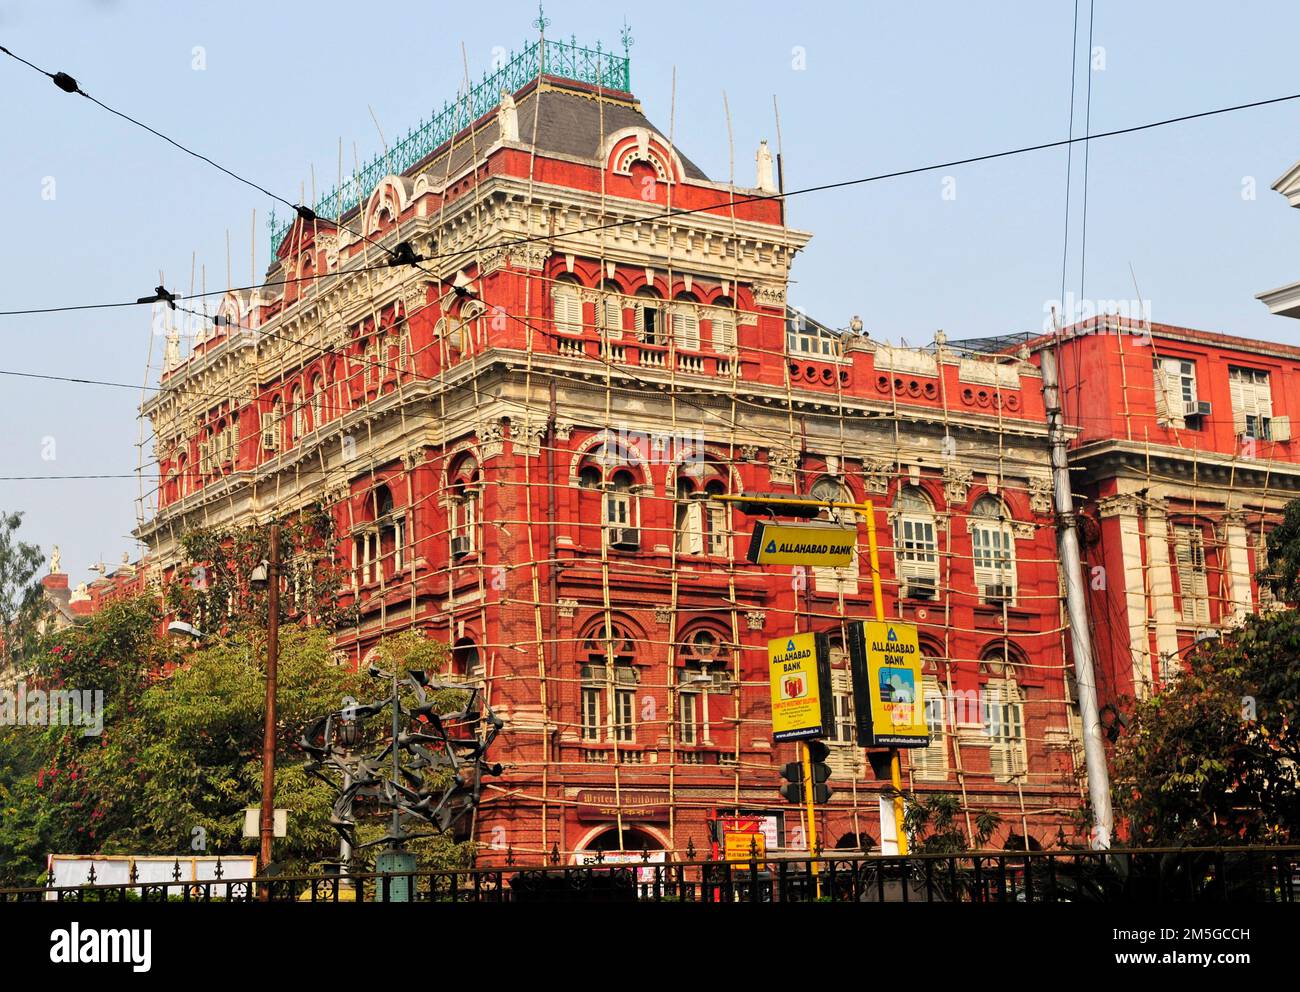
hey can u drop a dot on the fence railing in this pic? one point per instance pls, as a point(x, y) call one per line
point(1215, 875)
point(566, 59)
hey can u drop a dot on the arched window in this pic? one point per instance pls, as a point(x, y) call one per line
point(835, 580)
point(1002, 712)
point(299, 415)
point(649, 319)
point(610, 312)
point(704, 668)
point(466, 661)
point(606, 469)
point(317, 402)
point(722, 318)
point(566, 300)
point(686, 323)
point(234, 439)
point(994, 551)
point(609, 680)
point(378, 544)
point(183, 476)
point(464, 510)
point(702, 523)
point(915, 547)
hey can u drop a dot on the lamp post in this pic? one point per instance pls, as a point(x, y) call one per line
point(269, 572)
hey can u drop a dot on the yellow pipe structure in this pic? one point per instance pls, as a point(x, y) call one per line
point(869, 510)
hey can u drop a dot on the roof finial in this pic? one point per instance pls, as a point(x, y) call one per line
point(542, 22)
point(626, 37)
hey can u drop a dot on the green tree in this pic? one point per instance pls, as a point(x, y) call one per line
point(180, 755)
point(1284, 555)
point(1214, 757)
point(21, 601)
point(932, 823)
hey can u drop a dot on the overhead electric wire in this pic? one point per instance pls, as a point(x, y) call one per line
point(666, 215)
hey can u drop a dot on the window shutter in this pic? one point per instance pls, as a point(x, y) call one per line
point(724, 331)
point(1193, 584)
point(1162, 393)
point(568, 310)
point(1281, 429)
point(613, 309)
point(686, 328)
point(694, 522)
point(1237, 389)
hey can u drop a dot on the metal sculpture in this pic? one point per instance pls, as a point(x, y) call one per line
point(431, 767)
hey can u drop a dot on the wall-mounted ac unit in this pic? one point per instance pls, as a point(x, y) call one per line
point(460, 546)
point(624, 537)
point(1196, 408)
point(918, 587)
point(999, 594)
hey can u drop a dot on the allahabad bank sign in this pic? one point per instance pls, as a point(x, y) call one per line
point(888, 694)
point(799, 668)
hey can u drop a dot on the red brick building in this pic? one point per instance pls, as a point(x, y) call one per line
point(517, 437)
point(1186, 459)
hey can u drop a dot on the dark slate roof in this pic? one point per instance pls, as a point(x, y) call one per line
point(570, 121)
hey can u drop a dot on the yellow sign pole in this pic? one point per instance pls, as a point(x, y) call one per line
point(895, 763)
point(808, 786)
point(867, 508)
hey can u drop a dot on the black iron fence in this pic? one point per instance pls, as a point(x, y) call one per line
point(1181, 875)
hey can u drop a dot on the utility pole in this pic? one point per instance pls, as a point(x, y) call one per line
point(269, 734)
point(1067, 536)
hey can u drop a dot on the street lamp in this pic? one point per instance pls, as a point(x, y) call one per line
point(188, 629)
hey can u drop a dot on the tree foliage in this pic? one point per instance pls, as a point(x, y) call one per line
point(1212, 758)
point(180, 755)
point(1284, 555)
point(21, 601)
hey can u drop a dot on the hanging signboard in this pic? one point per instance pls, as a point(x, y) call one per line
point(885, 659)
point(800, 672)
point(744, 845)
point(820, 544)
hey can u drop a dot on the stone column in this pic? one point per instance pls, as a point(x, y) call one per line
point(1160, 583)
point(1124, 507)
point(1237, 565)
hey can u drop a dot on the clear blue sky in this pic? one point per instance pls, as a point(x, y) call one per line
point(884, 86)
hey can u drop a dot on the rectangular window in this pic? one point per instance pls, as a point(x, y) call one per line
point(688, 716)
point(931, 763)
point(1004, 722)
point(994, 566)
point(917, 556)
point(1252, 403)
point(612, 310)
point(724, 331)
point(1193, 576)
point(717, 516)
point(625, 715)
point(568, 310)
point(686, 328)
point(647, 322)
point(618, 509)
point(1175, 386)
point(591, 712)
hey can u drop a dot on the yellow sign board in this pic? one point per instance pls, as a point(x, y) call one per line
point(744, 846)
point(799, 667)
point(824, 545)
point(888, 692)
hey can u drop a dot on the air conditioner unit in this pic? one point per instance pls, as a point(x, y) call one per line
point(1196, 408)
point(917, 587)
point(624, 537)
point(999, 594)
point(460, 546)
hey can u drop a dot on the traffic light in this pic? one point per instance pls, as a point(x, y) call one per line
point(818, 752)
point(793, 790)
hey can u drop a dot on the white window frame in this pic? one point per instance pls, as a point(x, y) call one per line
point(1252, 402)
point(1175, 387)
point(610, 309)
point(1003, 718)
point(993, 553)
point(916, 542)
point(723, 330)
